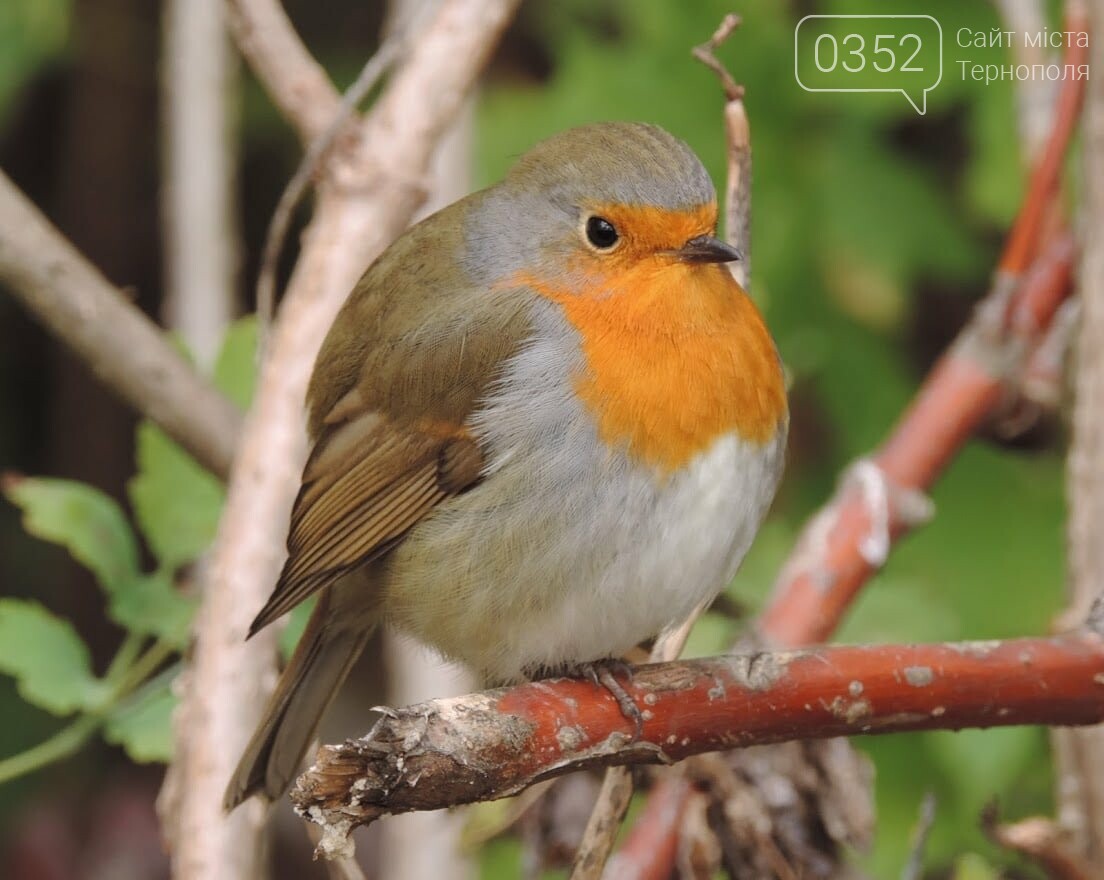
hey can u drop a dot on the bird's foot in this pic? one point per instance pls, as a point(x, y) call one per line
point(601, 672)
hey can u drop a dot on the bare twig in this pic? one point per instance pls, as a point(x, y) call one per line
point(295, 82)
point(604, 823)
point(738, 142)
point(122, 347)
point(367, 193)
point(496, 743)
point(653, 839)
point(706, 54)
point(201, 239)
point(1080, 754)
point(1025, 236)
point(296, 188)
point(914, 866)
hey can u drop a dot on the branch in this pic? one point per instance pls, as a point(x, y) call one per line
point(496, 743)
point(1024, 238)
point(296, 82)
point(1079, 755)
point(199, 79)
point(120, 345)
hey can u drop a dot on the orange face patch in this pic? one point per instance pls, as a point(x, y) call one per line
point(646, 230)
point(677, 355)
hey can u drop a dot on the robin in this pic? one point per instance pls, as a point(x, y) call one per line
point(546, 424)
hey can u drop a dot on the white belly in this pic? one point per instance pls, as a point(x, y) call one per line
point(568, 551)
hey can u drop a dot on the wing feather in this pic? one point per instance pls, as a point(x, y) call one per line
point(367, 483)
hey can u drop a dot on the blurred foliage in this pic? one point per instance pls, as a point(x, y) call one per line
point(176, 508)
point(32, 34)
point(874, 231)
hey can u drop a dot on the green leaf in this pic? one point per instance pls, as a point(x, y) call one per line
point(143, 726)
point(47, 659)
point(236, 366)
point(175, 501)
point(150, 604)
point(84, 520)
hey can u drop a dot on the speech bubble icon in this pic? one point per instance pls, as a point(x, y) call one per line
point(870, 53)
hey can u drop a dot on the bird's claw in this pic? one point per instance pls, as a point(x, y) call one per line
point(601, 672)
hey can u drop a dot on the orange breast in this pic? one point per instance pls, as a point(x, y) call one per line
point(677, 356)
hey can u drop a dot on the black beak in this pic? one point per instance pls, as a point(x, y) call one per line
point(707, 249)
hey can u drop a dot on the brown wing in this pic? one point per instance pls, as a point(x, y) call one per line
point(368, 481)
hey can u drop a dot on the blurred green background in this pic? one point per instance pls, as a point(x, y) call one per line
point(875, 231)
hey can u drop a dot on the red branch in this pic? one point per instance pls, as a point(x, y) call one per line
point(653, 839)
point(494, 744)
point(1023, 240)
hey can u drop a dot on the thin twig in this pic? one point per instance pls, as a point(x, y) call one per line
point(914, 867)
point(1025, 236)
point(604, 823)
point(199, 160)
point(1079, 756)
point(705, 53)
point(738, 143)
point(296, 188)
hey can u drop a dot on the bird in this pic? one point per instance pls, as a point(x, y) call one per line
point(546, 424)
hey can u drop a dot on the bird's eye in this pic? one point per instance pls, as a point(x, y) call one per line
point(601, 233)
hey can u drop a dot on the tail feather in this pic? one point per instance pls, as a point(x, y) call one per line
point(308, 685)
